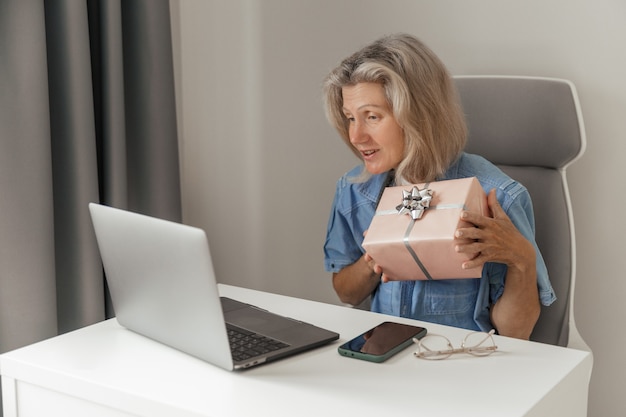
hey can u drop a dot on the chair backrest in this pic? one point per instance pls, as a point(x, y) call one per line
point(532, 129)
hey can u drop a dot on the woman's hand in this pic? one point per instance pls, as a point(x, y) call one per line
point(496, 239)
point(378, 270)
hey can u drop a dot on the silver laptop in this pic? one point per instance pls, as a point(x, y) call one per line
point(162, 285)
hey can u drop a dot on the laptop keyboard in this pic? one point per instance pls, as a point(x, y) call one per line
point(245, 345)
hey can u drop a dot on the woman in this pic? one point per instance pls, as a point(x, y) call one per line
point(396, 107)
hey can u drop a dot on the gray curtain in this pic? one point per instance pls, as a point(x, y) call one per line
point(87, 113)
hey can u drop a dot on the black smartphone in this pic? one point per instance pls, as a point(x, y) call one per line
point(381, 342)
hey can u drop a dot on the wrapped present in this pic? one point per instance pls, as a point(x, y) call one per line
point(412, 233)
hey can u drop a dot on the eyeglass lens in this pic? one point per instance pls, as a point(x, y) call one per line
point(439, 347)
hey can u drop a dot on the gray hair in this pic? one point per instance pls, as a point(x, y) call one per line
point(421, 94)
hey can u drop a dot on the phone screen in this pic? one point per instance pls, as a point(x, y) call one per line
point(382, 341)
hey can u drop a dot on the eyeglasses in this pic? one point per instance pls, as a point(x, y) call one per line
point(436, 347)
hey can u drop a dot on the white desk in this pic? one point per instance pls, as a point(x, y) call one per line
point(106, 370)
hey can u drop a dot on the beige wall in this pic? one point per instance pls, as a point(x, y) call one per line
point(259, 161)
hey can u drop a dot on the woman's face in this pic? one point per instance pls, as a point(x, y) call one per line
point(373, 129)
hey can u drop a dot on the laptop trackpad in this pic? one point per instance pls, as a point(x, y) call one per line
point(260, 321)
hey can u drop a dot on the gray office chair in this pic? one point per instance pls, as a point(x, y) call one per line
point(532, 129)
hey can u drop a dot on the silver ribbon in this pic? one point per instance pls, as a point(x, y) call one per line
point(414, 202)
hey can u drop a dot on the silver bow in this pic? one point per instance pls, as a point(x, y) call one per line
point(414, 202)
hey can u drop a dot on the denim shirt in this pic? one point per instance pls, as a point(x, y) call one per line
point(455, 302)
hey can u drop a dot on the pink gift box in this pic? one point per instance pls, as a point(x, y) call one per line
point(421, 249)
